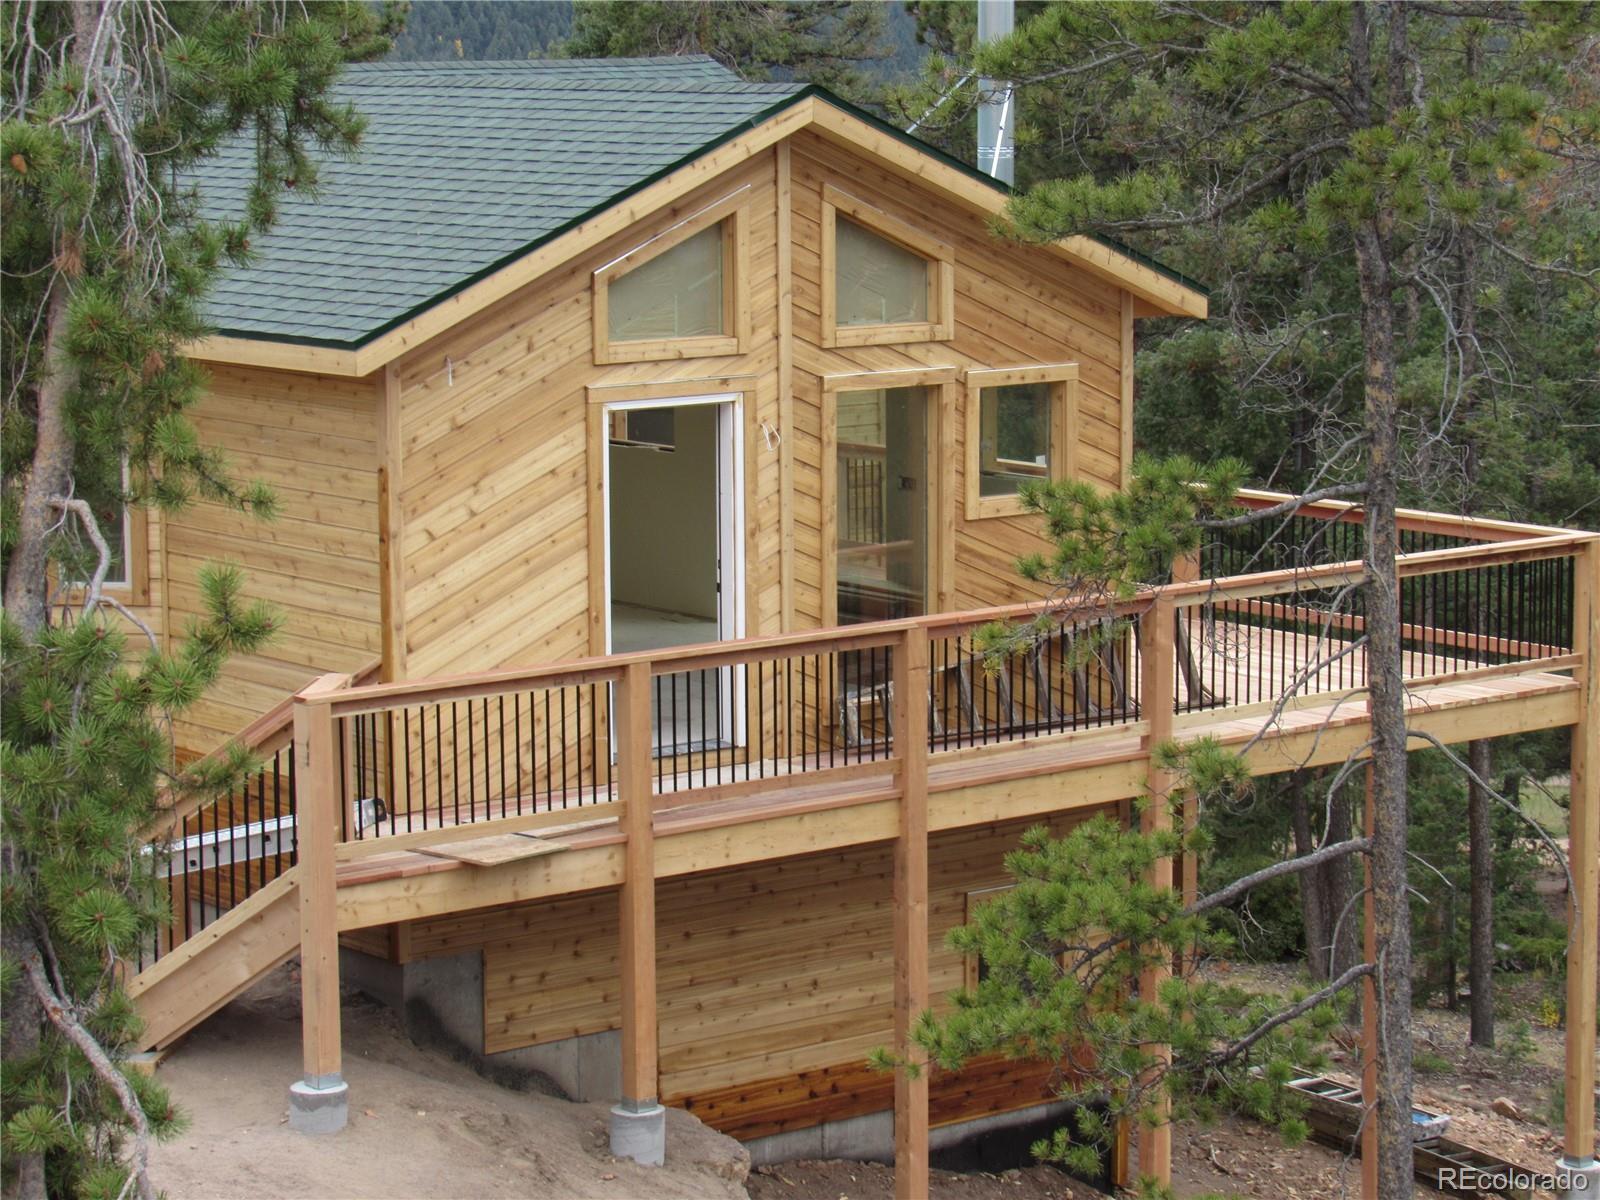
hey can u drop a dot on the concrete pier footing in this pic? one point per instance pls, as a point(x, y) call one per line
point(1580, 1178)
point(319, 1106)
point(639, 1132)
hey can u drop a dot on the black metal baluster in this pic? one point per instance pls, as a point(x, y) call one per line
point(561, 703)
point(277, 815)
point(577, 721)
point(549, 762)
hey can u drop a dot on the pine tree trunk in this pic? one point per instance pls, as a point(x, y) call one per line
point(27, 581)
point(26, 591)
point(1391, 902)
point(1480, 832)
point(1386, 688)
point(1341, 890)
point(1313, 883)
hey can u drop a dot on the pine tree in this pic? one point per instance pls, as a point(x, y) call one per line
point(107, 257)
point(1066, 952)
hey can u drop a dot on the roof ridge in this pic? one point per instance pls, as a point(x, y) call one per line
point(397, 66)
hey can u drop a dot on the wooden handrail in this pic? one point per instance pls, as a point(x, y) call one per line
point(1356, 622)
point(272, 731)
point(1420, 562)
point(1415, 520)
point(711, 655)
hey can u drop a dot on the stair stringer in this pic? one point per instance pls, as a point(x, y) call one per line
point(207, 970)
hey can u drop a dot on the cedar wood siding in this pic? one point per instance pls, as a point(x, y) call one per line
point(312, 439)
point(493, 435)
point(494, 430)
point(775, 980)
point(487, 440)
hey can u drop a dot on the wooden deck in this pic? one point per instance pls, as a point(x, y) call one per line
point(1012, 778)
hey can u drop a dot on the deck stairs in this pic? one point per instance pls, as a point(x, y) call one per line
point(207, 970)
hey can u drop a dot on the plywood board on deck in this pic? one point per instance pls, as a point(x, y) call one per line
point(495, 850)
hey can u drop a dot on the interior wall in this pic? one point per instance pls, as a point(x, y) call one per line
point(664, 519)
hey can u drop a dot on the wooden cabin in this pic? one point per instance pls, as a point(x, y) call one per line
point(580, 356)
point(580, 372)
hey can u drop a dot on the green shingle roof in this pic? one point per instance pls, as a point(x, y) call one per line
point(464, 166)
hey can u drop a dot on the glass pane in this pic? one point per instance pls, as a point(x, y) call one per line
point(79, 563)
point(879, 283)
point(676, 294)
point(882, 504)
point(1014, 425)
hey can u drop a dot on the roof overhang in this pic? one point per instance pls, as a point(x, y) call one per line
point(1155, 292)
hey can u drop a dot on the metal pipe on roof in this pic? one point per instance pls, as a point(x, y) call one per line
point(996, 148)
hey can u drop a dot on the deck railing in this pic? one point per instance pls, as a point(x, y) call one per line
point(516, 748)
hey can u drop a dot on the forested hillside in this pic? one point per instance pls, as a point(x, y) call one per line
point(482, 30)
point(477, 30)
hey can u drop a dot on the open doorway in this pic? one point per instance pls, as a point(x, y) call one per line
point(673, 563)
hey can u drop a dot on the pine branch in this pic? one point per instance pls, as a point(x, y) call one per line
point(62, 1018)
point(91, 529)
point(1292, 867)
point(1221, 208)
point(1289, 1014)
point(1337, 491)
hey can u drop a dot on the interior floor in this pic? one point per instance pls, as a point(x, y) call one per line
point(687, 709)
point(635, 627)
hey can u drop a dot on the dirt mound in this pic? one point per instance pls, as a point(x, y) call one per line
point(420, 1124)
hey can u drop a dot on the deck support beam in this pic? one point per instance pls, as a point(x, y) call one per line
point(319, 1101)
point(638, 1122)
point(1583, 904)
point(911, 993)
point(1157, 692)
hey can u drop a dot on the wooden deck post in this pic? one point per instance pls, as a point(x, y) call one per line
point(638, 1123)
point(319, 1102)
point(911, 994)
point(1583, 857)
point(1186, 569)
point(1157, 665)
point(1369, 1012)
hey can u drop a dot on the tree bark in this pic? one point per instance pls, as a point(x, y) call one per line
point(1385, 675)
point(1313, 884)
point(1340, 888)
point(27, 579)
point(24, 1021)
point(1480, 833)
point(1386, 691)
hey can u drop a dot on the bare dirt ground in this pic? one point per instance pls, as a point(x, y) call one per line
point(1237, 1157)
point(420, 1124)
point(838, 1180)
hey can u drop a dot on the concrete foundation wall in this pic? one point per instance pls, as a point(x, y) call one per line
point(440, 1002)
point(870, 1138)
